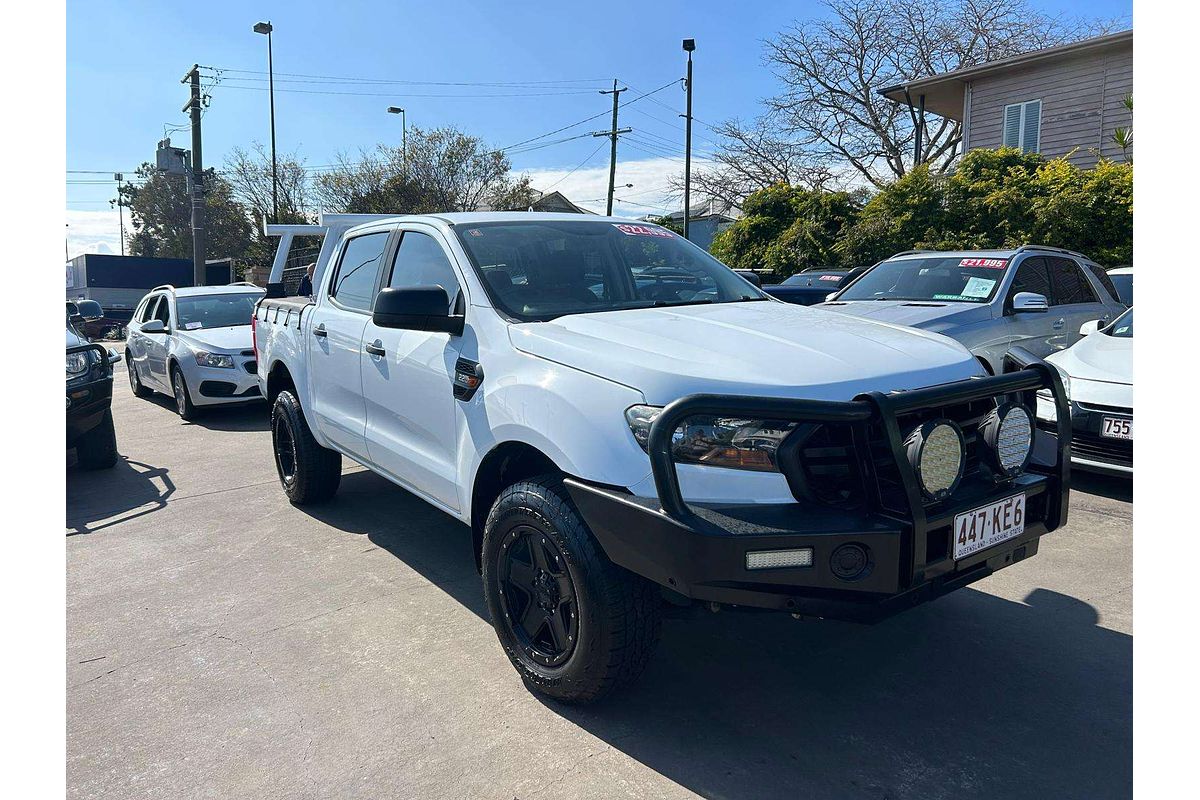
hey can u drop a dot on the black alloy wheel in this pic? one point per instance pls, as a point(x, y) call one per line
point(537, 596)
point(285, 451)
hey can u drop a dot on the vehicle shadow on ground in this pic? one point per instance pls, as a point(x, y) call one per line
point(1114, 487)
point(969, 696)
point(128, 490)
point(250, 416)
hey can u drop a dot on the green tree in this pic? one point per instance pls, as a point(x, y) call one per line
point(161, 210)
point(786, 229)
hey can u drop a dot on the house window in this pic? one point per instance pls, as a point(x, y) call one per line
point(1023, 126)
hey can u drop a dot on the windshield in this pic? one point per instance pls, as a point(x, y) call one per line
point(942, 278)
point(1123, 327)
point(825, 280)
point(545, 269)
point(215, 310)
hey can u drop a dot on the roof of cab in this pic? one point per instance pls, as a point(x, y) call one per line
point(192, 291)
point(477, 217)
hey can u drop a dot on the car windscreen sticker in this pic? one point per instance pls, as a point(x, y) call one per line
point(191, 326)
point(642, 230)
point(475, 231)
point(830, 278)
point(978, 287)
point(989, 263)
point(950, 297)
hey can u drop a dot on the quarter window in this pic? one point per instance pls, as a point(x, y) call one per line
point(362, 257)
point(1071, 286)
point(1105, 281)
point(421, 261)
point(1023, 126)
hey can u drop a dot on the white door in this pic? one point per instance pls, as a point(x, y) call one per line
point(336, 347)
point(158, 347)
point(407, 381)
point(137, 344)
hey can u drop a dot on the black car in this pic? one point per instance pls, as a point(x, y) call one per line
point(89, 392)
point(812, 286)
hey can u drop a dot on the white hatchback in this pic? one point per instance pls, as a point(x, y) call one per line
point(1097, 374)
point(194, 344)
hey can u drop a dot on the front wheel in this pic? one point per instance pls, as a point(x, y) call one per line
point(97, 449)
point(573, 624)
point(308, 472)
point(183, 400)
point(135, 383)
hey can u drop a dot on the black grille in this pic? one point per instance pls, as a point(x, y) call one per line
point(247, 352)
point(1101, 448)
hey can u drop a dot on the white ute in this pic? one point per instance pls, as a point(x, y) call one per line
point(622, 421)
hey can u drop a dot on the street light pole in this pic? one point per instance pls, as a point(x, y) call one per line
point(267, 28)
point(688, 45)
point(403, 135)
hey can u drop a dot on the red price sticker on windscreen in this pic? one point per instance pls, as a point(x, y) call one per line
point(642, 230)
point(989, 263)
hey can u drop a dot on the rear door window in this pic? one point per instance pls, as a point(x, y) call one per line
point(358, 270)
point(163, 312)
point(1071, 286)
point(146, 309)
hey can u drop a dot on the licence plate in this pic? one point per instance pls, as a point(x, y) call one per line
point(981, 528)
point(1117, 428)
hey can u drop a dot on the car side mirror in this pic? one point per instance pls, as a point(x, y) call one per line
point(154, 326)
point(1089, 327)
point(416, 308)
point(1030, 302)
point(86, 311)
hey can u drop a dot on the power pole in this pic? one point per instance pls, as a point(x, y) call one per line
point(612, 158)
point(118, 177)
point(193, 105)
point(688, 45)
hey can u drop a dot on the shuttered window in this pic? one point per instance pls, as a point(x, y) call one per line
point(1023, 126)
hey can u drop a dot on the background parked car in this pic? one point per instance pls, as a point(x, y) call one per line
point(194, 344)
point(1122, 279)
point(993, 300)
point(89, 391)
point(812, 286)
point(1097, 375)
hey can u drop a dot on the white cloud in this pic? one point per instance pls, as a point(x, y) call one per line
point(588, 187)
point(93, 232)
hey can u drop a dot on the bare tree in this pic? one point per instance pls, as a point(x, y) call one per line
point(832, 67)
point(750, 158)
point(249, 173)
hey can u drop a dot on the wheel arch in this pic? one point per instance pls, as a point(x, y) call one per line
point(279, 378)
point(504, 465)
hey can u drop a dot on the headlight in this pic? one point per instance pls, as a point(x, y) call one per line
point(935, 450)
point(206, 359)
point(78, 363)
point(1007, 434)
point(733, 442)
point(1046, 394)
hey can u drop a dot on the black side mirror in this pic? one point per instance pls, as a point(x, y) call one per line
point(416, 308)
point(85, 311)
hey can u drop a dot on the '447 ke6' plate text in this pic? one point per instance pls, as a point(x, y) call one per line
point(983, 527)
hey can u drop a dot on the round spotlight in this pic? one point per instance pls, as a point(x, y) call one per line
point(851, 561)
point(1007, 434)
point(935, 450)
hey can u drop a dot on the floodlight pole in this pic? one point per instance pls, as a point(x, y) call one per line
point(688, 45)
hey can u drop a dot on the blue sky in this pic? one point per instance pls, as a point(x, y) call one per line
point(125, 60)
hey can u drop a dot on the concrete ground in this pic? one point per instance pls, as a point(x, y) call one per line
point(221, 643)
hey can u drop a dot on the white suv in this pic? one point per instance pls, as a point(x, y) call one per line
point(194, 344)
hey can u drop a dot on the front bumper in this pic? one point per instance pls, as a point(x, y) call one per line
point(89, 399)
point(1090, 449)
point(699, 550)
point(211, 386)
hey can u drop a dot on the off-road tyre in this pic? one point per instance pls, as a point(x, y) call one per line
point(97, 449)
point(617, 613)
point(308, 472)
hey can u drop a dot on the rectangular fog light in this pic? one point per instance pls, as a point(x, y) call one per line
point(775, 559)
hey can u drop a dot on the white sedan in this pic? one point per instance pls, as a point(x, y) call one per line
point(1097, 374)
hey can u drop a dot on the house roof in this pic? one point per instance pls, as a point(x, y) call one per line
point(549, 199)
point(944, 93)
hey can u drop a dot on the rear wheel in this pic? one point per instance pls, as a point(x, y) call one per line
point(97, 449)
point(183, 400)
point(308, 472)
point(573, 624)
point(135, 383)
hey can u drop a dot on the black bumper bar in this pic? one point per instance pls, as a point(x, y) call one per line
point(699, 550)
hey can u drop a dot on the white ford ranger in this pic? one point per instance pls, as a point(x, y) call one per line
point(623, 422)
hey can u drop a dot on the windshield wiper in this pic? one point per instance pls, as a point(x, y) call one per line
point(669, 303)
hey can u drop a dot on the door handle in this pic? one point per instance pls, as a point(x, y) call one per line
point(375, 348)
point(1058, 324)
point(320, 331)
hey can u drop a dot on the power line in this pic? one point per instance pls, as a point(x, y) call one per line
point(577, 167)
point(349, 79)
point(408, 94)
